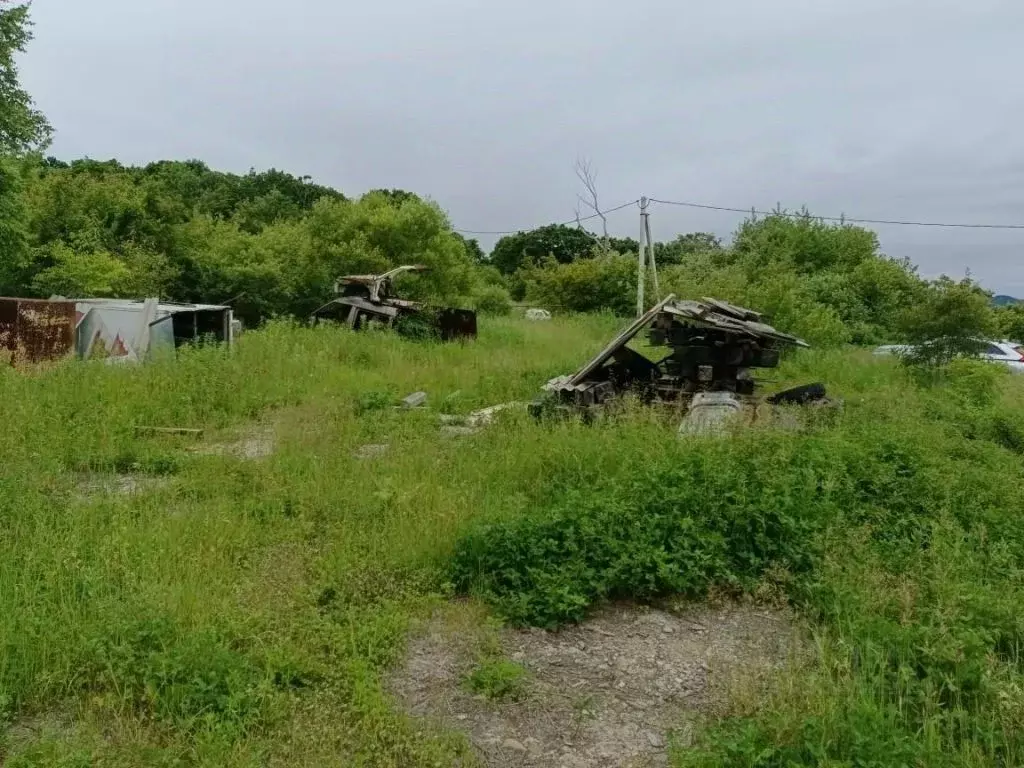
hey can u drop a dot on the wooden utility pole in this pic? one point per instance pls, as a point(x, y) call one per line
point(650, 255)
point(642, 261)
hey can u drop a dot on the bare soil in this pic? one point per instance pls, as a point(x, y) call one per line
point(253, 443)
point(617, 690)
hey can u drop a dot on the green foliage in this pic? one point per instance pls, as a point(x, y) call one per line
point(496, 679)
point(192, 681)
point(22, 127)
point(606, 282)
point(492, 299)
point(473, 250)
point(824, 282)
point(676, 526)
point(950, 319)
point(77, 274)
point(528, 249)
point(1009, 320)
point(683, 247)
point(270, 243)
point(894, 531)
point(236, 611)
point(15, 262)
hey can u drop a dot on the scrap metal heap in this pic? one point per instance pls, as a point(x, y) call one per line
point(365, 299)
point(713, 347)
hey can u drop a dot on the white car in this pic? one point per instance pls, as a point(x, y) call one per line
point(1009, 353)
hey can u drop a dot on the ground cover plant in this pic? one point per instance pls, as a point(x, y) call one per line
point(242, 611)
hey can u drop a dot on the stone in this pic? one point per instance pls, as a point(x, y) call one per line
point(415, 400)
point(513, 745)
point(655, 739)
point(372, 450)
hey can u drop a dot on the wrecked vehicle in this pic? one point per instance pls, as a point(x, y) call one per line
point(367, 299)
point(713, 347)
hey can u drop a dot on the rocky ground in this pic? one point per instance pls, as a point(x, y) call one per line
point(617, 690)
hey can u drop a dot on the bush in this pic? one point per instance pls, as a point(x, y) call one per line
point(493, 300)
point(680, 525)
point(590, 285)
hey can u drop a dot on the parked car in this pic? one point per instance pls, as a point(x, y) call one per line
point(1008, 353)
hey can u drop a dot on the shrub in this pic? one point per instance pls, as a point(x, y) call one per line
point(680, 525)
point(497, 679)
point(589, 285)
point(493, 300)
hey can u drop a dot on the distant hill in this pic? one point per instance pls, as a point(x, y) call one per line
point(1002, 301)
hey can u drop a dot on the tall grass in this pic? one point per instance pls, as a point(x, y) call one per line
point(242, 612)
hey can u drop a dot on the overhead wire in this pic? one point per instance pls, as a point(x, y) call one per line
point(841, 219)
point(755, 211)
point(563, 224)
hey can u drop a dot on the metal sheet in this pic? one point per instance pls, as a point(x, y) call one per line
point(35, 329)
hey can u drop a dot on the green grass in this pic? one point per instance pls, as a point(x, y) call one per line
point(496, 679)
point(243, 612)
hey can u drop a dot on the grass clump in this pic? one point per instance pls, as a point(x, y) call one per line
point(496, 679)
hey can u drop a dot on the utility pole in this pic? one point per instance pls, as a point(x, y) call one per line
point(648, 243)
point(650, 255)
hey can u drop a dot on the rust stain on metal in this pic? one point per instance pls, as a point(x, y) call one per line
point(33, 330)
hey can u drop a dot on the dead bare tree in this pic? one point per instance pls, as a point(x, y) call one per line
point(588, 178)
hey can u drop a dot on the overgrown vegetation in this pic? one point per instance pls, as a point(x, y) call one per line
point(223, 611)
point(243, 612)
point(896, 531)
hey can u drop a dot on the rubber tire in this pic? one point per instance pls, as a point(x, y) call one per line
point(799, 395)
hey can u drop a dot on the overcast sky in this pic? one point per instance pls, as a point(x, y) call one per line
point(874, 108)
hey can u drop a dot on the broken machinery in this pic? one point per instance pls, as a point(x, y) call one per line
point(712, 349)
point(363, 300)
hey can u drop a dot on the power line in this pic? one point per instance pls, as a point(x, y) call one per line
point(842, 219)
point(562, 224)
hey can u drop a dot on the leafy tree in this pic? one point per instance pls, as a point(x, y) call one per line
point(805, 243)
point(605, 282)
point(473, 250)
point(22, 126)
point(15, 257)
point(951, 319)
point(527, 249)
point(372, 235)
point(683, 246)
point(1010, 321)
point(77, 274)
point(623, 245)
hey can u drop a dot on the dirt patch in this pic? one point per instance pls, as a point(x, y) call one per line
point(253, 444)
point(613, 691)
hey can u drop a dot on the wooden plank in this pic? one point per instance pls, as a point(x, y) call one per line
point(623, 338)
point(188, 431)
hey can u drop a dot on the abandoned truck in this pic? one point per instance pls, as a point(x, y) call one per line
point(363, 300)
point(712, 348)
